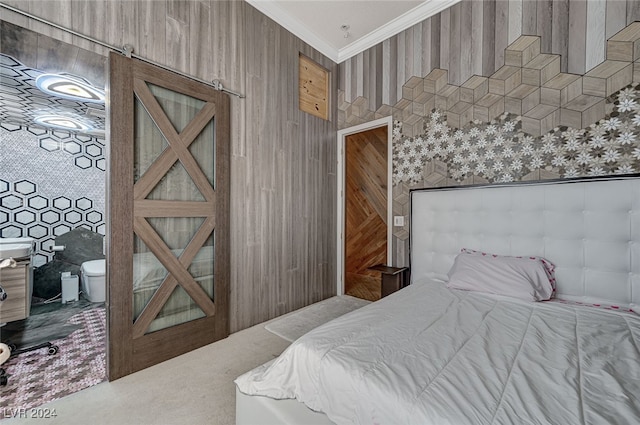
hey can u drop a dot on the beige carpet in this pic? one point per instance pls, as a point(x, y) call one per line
point(295, 324)
point(195, 388)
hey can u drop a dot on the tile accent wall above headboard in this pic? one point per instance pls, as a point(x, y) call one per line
point(522, 117)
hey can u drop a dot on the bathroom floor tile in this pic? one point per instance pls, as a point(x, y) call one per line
point(36, 377)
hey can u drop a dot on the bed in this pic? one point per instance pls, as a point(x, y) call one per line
point(432, 353)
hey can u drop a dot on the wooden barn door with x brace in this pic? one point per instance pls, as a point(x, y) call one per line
point(168, 241)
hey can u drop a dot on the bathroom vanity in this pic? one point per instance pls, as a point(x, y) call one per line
point(15, 281)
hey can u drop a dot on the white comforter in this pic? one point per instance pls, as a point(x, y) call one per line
point(429, 355)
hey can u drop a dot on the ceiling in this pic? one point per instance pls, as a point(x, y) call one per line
point(25, 56)
point(324, 24)
point(22, 103)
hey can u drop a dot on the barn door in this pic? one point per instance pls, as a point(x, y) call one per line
point(168, 255)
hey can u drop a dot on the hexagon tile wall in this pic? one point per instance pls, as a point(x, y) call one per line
point(84, 151)
point(50, 183)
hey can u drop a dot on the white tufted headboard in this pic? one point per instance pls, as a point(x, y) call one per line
point(590, 229)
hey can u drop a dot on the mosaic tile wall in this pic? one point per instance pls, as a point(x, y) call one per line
point(50, 183)
point(499, 151)
point(527, 121)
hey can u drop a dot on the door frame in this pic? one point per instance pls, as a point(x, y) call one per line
point(340, 180)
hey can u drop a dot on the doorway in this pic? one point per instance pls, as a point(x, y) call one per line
point(52, 202)
point(364, 206)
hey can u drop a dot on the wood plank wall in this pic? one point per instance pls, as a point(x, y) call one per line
point(283, 185)
point(469, 38)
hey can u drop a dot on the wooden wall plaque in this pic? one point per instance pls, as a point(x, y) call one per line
point(313, 90)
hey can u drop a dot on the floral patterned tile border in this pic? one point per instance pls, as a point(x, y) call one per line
point(499, 151)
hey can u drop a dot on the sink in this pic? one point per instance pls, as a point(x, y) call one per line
point(15, 247)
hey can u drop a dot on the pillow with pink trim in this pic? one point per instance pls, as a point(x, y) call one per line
point(601, 306)
point(549, 267)
point(526, 278)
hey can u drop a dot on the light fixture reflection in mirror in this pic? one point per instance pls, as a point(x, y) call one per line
point(62, 122)
point(69, 88)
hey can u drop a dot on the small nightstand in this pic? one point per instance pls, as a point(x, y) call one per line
point(393, 278)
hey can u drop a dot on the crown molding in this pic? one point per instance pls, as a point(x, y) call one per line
point(393, 27)
point(388, 30)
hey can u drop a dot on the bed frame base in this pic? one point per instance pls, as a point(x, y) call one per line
point(252, 410)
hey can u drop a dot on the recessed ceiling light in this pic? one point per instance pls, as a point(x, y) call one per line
point(62, 122)
point(69, 88)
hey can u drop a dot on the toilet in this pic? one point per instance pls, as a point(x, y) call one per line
point(93, 281)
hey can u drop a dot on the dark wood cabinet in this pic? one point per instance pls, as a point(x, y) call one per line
point(393, 278)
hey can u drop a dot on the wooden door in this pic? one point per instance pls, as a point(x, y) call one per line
point(168, 188)
point(365, 211)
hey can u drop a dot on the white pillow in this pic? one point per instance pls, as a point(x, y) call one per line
point(518, 277)
point(549, 267)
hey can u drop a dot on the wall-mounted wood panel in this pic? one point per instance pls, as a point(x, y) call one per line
point(313, 88)
point(283, 189)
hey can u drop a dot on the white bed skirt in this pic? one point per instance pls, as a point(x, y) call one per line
point(258, 410)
